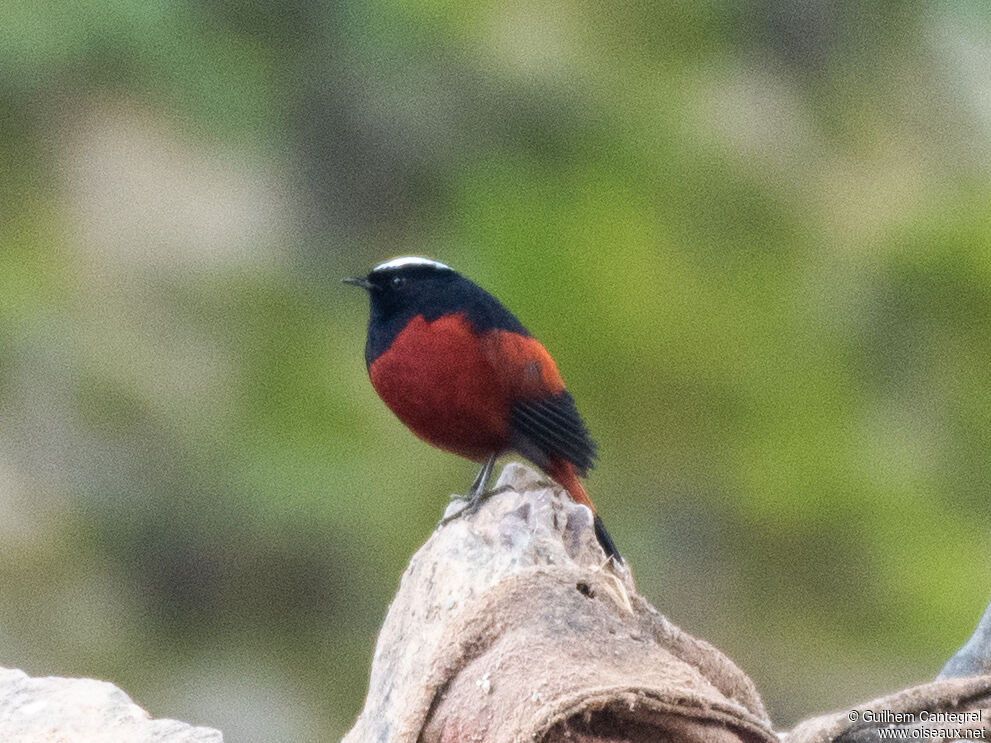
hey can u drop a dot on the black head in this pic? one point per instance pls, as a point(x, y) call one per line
point(403, 288)
point(402, 284)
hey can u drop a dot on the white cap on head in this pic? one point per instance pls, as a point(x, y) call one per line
point(410, 260)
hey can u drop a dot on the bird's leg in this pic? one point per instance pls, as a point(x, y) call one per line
point(477, 485)
point(481, 479)
point(476, 493)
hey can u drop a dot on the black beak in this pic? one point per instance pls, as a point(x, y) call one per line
point(359, 281)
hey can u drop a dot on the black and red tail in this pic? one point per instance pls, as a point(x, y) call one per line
point(564, 473)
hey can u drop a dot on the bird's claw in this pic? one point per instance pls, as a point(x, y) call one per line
point(473, 501)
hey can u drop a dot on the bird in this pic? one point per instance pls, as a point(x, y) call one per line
point(464, 374)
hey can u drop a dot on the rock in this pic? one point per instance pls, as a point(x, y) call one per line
point(974, 658)
point(81, 710)
point(510, 624)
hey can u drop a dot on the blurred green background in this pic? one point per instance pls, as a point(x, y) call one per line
point(755, 236)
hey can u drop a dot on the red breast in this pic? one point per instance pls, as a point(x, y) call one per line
point(454, 387)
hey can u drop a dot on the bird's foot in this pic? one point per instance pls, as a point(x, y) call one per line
point(473, 501)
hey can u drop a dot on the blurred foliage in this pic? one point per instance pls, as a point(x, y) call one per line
point(757, 238)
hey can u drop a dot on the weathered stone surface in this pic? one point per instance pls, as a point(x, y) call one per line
point(80, 710)
point(943, 710)
point(974, 658)
point(510, 624)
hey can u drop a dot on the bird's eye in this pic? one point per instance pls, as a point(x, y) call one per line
point(398, 281)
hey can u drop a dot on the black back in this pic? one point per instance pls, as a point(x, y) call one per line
point(400, 294)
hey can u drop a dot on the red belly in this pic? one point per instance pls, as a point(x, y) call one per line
point(438, 380)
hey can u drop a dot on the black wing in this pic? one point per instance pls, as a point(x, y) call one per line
point(547, 428)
